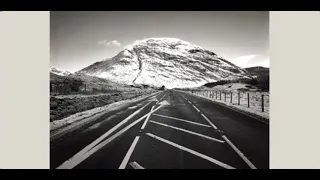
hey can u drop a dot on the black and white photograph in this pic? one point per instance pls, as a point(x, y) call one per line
point(159, 90)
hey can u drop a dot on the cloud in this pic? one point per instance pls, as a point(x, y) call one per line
point(251, 60)
point(110, 43)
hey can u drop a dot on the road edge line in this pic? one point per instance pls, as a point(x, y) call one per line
point(232, 108)
point(243, 157)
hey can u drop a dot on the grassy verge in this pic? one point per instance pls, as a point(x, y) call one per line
point(62, 106)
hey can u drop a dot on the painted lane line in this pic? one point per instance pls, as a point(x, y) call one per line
point(94, 143)
point(134, 143)
point(196, 108)
point(230, 143)
point(224, 105)
point(135, 165)
point(161, 98)
point(205, 117)
point(191, 151)
point(187, 131)
point(90, 146)
point(128, 155)
point(193, 105)
point(79, 157)
point(117, 134)
point(239, 152)
point(145, 122)
point(215, 127)
point(178, 119)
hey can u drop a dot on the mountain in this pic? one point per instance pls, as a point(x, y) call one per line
point(60, 72)
point(258, 71)
point(62, 81)
point(168, 62)
point(262, 75)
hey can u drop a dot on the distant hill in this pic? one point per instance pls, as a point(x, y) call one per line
point(258, 71)
point(262, 74)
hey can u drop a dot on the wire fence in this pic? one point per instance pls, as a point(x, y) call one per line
point(258, 101)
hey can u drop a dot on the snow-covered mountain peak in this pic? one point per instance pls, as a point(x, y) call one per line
point(169, 62)
point(60, 72)
point(165, 42)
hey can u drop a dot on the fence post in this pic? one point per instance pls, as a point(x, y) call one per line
point(225, 97)
point(216, 94)
point(262, 102)
point(220, 95)
point(231, 97)
point(238, 98)
point(248, 101)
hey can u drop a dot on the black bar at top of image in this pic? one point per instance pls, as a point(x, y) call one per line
point(163, 6)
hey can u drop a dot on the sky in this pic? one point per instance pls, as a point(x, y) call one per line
point(78, 39)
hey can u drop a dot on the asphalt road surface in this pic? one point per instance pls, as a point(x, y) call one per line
point(173, 130)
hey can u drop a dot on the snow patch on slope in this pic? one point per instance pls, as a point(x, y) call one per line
point(165, 61)
point(60, 72)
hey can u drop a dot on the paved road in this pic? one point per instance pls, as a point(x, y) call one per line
point(174, 130)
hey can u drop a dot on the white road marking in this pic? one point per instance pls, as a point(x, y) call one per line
point(209, 121)
point(232, 108)
point(128, 155)
point(187, 131)
point(135, 165)
point(91, 148)
point(191, 151)
point(230, 143)
point(145, 122)
point(239, 152)
point(134, 143)
point(164, 102)
point(204, 117)
point(178, 119)
point(196, 108)
point(161, 98)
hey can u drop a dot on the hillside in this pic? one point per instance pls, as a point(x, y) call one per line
point(168, 62)
point(258, 71)
point(75, 92)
